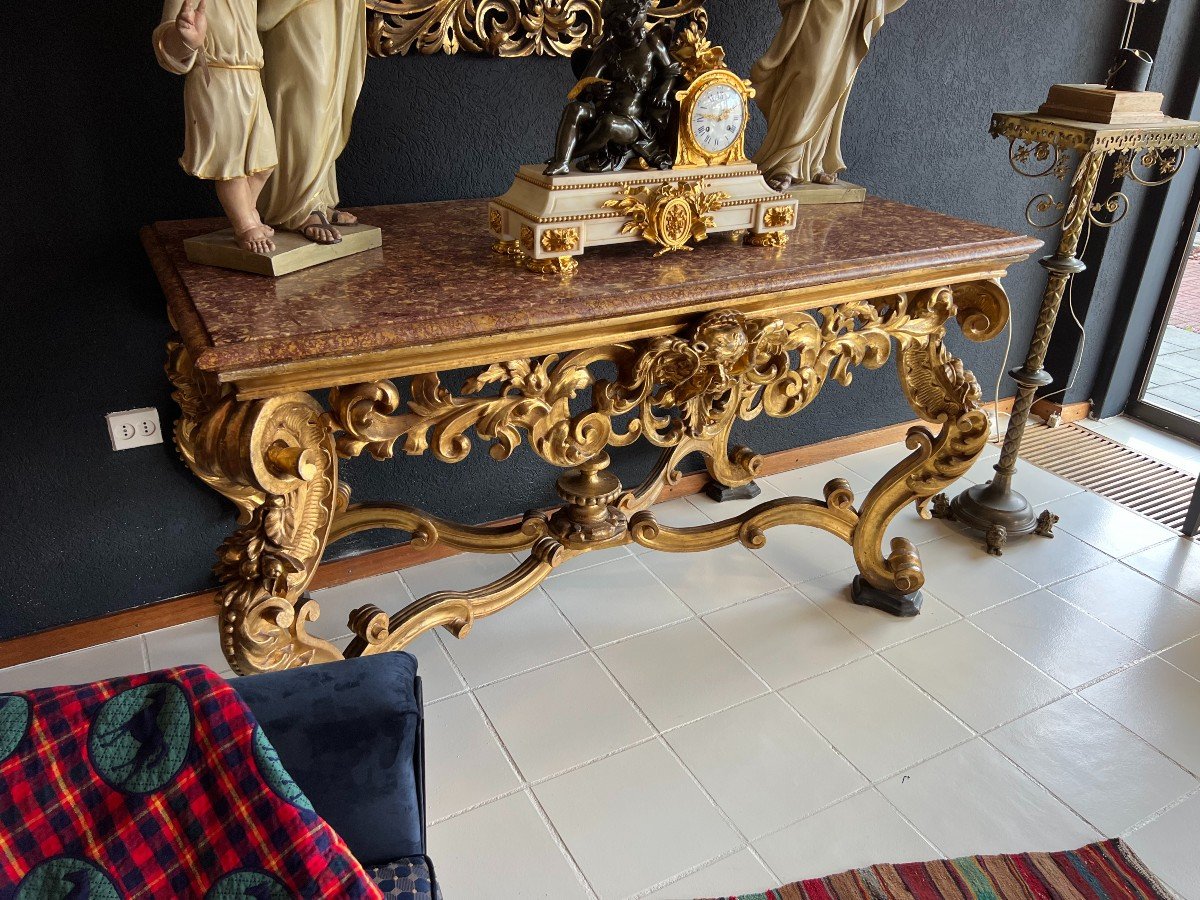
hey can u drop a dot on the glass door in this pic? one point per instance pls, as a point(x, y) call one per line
point(1169, 394)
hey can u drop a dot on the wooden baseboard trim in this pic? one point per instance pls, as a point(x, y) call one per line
point(193, 607)
point(1071, 412)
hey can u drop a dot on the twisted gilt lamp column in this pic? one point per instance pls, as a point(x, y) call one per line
point(1150, 153)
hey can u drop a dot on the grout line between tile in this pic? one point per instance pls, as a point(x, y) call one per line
point(561, 844)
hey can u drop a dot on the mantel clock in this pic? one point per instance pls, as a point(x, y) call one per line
point(651, 146)
point(713, 112)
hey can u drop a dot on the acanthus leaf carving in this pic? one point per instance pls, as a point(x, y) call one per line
point(690, 386)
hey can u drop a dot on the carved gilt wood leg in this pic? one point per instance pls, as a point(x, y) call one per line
point(940, 390)
point(275, 459)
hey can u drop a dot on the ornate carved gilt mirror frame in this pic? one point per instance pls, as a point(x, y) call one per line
point(507, 28)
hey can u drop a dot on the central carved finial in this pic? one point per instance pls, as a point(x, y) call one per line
point(590, 492)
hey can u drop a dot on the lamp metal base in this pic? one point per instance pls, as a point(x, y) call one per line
point(998, 511)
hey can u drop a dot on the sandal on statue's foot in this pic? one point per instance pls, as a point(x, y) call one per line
point(255, 239)
point(320, 231)
point(341, 217)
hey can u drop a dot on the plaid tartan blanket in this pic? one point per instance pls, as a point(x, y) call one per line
point(156, 785)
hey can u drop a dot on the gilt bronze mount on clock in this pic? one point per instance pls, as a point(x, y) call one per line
point(649, 147)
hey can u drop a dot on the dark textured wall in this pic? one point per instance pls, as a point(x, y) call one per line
point(1130, 264)
point(93, 132)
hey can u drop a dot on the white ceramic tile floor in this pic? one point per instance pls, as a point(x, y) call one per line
point(690, 576)
point(832, 594)
point(710, 727)
point(854, 705)
point(1103, 771)
point(526, 634)
point(1134, 604)
point(861, 831)
point(635, 819)
point(1185, 656)
point(192, 642)
point(632, 600)
point(682, 673)
point(746, 758)
point(1068, 645)
point(972, 799)
point(1106, 526)
point(974, 676)
point(766, 631)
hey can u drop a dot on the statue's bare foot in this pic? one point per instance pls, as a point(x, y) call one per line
point(318, 229)
point(256, 239)
point(553, 168)
point(780, 181)
point(341, 217)
point(824, 178)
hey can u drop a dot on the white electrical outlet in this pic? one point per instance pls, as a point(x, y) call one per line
point(134, 428)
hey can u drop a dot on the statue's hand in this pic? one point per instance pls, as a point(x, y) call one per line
point(192, 24)
point(601, 90)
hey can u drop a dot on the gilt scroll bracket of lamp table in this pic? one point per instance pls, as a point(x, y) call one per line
point(1149, 153)
point(697, 341)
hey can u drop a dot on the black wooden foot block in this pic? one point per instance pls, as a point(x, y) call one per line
point(721, 493)
point(903, 605)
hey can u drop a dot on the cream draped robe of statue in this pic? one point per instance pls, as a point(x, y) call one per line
point(314, 61)
point(804, 80)
point(227, 128)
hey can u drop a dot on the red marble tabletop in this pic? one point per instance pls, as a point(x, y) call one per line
point(435, 280)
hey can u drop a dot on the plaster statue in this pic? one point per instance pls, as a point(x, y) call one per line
point(621, 104)
point(804, 81)
point(228, 136)
point(314, 62)
point(270, 91)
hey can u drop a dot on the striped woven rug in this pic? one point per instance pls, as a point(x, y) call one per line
point(1104, 871)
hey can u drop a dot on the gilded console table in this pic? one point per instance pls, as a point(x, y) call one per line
point(698, 342)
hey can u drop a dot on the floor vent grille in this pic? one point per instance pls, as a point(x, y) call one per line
point(1110, 469)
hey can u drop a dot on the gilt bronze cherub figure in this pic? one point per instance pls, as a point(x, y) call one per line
point(621, 105)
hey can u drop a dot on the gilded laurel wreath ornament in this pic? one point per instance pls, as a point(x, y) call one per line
point(670, 215)
point(506, 28)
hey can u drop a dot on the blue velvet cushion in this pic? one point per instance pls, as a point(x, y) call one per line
point(348, 733)
point(406, 879)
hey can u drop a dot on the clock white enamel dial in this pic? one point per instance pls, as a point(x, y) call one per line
point(717, 118)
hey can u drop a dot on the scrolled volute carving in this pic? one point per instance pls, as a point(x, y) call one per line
point(265, 566)
point(205, 406)
point(534, 398)
point(690, 386)
point(982, 309)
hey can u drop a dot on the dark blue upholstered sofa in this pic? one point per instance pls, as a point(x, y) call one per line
point(351, 734)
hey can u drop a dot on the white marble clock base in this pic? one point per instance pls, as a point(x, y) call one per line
point(552, 218)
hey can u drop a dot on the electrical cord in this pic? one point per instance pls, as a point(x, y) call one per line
point(996, 436)
point(1087, 236)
